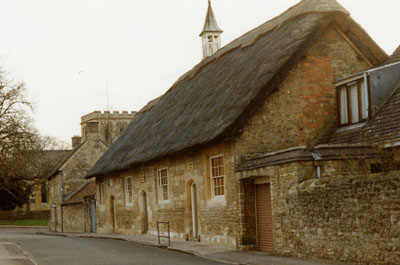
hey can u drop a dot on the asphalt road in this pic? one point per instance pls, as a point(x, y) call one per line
point(56, 250)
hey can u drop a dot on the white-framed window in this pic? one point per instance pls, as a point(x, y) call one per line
point(101, 191)
point(162, 183)
point(128, 191)
point(217, 176)
point(353, 102)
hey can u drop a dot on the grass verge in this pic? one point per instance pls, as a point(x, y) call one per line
point(32, 222)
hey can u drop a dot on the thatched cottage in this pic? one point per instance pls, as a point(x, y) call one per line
point(184, 158)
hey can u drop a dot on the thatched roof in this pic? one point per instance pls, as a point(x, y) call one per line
point(213, 100)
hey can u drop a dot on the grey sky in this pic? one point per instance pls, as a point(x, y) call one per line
point(66, 51)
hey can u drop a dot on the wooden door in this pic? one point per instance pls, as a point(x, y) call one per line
point(265, 240)
point(143, 213)
point(193, 195)
point(112, 212)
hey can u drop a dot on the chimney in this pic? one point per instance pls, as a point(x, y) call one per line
point(92, 130)
point(76, 141)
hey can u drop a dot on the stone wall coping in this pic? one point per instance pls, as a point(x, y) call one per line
point(327, 152)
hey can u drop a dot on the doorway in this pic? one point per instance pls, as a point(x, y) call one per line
point(193, 198)
point(265, 240)
point(143, 213)
point(112, 213)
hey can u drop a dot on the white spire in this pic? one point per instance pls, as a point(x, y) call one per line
point(211, 33)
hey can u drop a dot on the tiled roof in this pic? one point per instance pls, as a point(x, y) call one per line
point(210, 24)
point(383, 127)
point(86, 190)
point(395, 57)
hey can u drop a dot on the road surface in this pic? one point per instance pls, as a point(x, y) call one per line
point(28, 247)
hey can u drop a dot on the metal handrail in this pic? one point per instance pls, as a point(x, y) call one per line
point(161, 236)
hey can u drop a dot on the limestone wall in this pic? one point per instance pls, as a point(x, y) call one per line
point(218, 219)
point(74, 218)
point(353, 219)
point(305, 103)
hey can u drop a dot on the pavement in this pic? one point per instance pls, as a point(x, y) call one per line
point(211, 252)
point(12, 254)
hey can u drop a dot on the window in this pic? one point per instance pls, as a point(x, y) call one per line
point(210, 39)
point(353, 102)
point(162, 180)
point(102, 193)
point(43, 192)
point(217, 176)
point(128, 191)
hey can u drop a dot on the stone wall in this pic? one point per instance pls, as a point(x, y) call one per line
point(305, 103)
point(74, 218)
point(353, 219)
point(218, 219)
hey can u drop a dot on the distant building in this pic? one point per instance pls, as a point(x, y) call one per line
point(67, 183)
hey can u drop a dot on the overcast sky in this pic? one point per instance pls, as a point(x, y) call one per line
point(68, 51)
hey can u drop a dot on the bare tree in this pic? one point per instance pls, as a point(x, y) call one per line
point(24, 157)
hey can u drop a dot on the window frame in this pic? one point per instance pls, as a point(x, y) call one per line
point(127, 195)
point(213, 196)
point(367, 102)
point(101, 192)
point(44, 191)
point(160, 188)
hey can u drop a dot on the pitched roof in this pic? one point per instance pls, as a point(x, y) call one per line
point(395, 57)
point(78, 196)
point(42, 162)
point(210, 24)
point(213, 100)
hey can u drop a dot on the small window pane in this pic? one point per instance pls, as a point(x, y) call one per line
point(217, 175)
point(163, 184)
point(364, 101)
point(344, 115)
point(354, 103)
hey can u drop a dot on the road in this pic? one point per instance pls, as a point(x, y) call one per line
point(56, 250)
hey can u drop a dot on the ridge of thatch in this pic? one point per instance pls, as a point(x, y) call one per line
point(213, 100)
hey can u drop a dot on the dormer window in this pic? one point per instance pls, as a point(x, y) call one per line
point(352, 102)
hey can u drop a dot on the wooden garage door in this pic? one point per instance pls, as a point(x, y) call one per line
point(264, 218)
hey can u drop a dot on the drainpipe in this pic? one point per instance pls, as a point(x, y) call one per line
point(366, 94)
point(317, 158)
point(62, 200)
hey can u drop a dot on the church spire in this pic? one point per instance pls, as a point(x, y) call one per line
point(211, 33)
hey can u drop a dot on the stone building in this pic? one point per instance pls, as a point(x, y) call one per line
point(70, 193)
point(338, 198)
point(185, 157)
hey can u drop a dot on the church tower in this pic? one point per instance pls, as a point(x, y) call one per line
point(211, 34)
